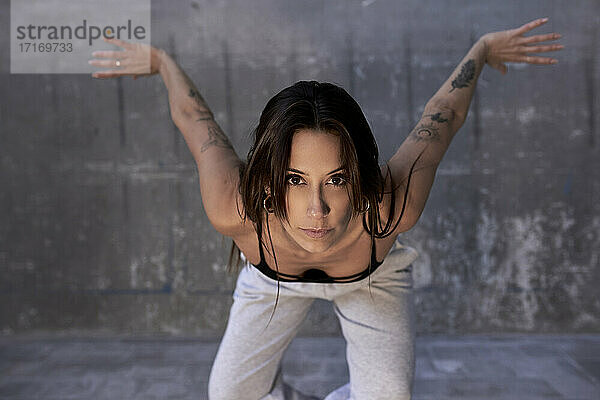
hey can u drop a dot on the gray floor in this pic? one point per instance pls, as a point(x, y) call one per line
point(512, 367)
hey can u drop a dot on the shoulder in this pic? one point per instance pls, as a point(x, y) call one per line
point(223, 203)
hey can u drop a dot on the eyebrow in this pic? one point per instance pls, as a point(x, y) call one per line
point(304, 173)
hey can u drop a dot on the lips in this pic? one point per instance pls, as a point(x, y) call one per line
point(316, 233)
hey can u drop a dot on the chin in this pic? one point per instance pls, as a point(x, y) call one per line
point(316, 245)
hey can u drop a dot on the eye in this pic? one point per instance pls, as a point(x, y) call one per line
point(337, 180)
point(294, 180)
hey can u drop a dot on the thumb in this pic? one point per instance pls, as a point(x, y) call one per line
point(501, 67)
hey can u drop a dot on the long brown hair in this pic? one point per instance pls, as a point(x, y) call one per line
point(317, 106)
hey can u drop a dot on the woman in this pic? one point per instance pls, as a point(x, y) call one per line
point(315, 215)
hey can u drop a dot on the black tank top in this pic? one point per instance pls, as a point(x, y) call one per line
point(314, 274)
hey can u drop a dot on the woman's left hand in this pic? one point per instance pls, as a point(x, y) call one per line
point(512, 46)
point(134, 60)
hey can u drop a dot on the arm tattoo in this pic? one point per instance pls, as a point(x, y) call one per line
point(193, 93)
point(204, 115)
point(467, 73)
point(216, 137)
point(437, 117)
point(425, 133)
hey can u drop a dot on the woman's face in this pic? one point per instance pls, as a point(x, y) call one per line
point(318, 200)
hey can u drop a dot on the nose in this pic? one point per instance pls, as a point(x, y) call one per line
point(317, 206)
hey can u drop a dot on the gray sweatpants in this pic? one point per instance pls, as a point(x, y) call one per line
point(379, 333)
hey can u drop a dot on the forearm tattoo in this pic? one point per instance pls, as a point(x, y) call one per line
point(216, 138)
point(204, 115)
point(437, 117)
point(425, 133)
point(430, 131)
point(193, 93)
point(466, 75)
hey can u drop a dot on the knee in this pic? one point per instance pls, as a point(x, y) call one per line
point(231, 385)
point(221, 387)
point(223, 393)
point(221, 390)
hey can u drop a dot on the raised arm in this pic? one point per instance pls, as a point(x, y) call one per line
point(218, 164)
point(422, 151)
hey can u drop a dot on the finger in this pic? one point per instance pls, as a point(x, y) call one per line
point(106, 63)
point(540, 38)
point(536, 60)
point(531, 25)
point(543, 49)
point(109, 54)
point(118, 42)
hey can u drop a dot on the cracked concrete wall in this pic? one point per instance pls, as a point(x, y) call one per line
point(103, 231)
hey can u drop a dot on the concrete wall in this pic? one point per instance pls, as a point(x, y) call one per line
point(102, 228)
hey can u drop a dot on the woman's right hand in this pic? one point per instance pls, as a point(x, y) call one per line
point(512, 46)
point(134, 60)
